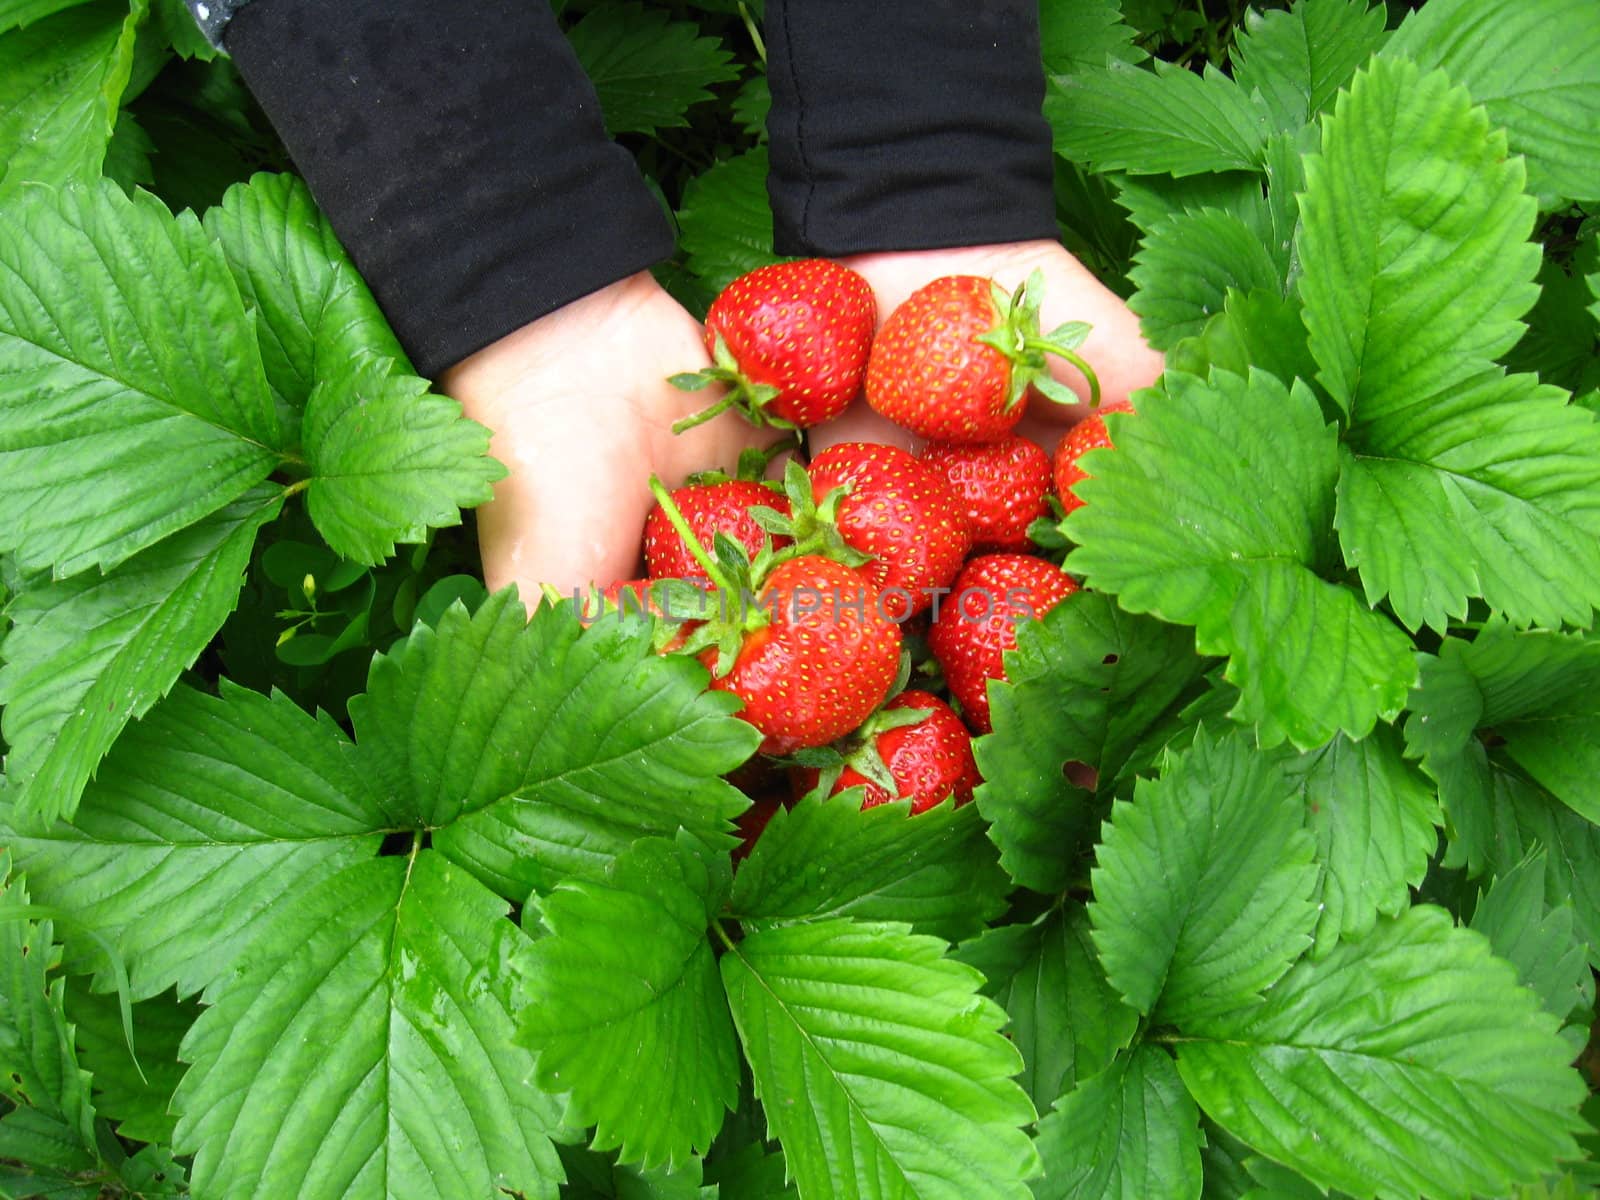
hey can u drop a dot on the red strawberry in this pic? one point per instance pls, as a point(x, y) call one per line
point(1088, 434)
point(926, 760)
point(823, 661)
point(979, 622)
point(790, 340)
point(956, 360)
point(710, 509)
point(902, 513)
point(1004, 486)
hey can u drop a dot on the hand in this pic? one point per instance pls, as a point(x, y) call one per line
point(582, 415)
point(1115, 348)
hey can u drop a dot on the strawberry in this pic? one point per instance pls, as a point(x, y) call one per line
point(1088, 434)
point(710, 509)
point(956, 360)
point(924, 759)
point(1004, 487)
point(804, 642)
point(790, 340)
point(819, 663)
point(897, 510)
point(979, 623)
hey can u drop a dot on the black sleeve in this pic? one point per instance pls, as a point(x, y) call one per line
point(459, 153)
point(906, 125)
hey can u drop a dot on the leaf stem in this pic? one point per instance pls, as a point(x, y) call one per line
point(722, 934)
point(754, 32)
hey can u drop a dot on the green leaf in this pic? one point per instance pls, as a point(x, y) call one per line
point(1407, 1046)
point(1259, 329)
point(1308, 658)
point(1408, 305)
point(109, 382)
point(648, 1054)
point(1065, 1018)
point(875, 1059)
point(14, 14)
point(1534, 65)
point(1085, 684)
point(592, 1176)
point(1561, 343)
point(828, 858)
point(39, 1071)
point(1204, 891)
point(1374, 817)
point(181, 29)
point(750, 1173)
point(1130, 1133)
point(1539, 941)
point(86, 655)
point(140, 1105)
point(1414, 243)
point(1185, 268)
point(648, 70)
point(1540, 694)
point(313, 313)
point(586, 739)
point(1299, 59)
point(1164, 122)
point(372, 996)
point(1077, 36)
point(210, 818)
point(725, 221)
point(61, 82)
point(388, 460)
point(751, 105)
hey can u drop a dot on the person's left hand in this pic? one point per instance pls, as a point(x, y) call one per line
point(582, 416)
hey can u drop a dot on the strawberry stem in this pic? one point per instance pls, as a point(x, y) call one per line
point(1073, 357)
point(729, 399)
point(698, 552)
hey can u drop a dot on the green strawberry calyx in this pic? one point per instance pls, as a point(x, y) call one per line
point(812, 526)
point(743, 394)
point(1016, 335)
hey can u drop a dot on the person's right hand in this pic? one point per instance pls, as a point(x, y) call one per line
point(582, 416)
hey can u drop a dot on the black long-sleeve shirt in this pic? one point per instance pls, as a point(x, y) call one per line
point(460, 155)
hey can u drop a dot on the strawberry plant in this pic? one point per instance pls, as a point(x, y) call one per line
point(326, 873)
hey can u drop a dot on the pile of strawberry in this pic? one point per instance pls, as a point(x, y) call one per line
point(817, 601)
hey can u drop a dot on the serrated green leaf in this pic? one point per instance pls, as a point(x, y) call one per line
point(875, 1059)
point(1170, 122)
point(1539, 941)
point(1409, 304)
point(725, 220)
point(313, 312)
point(1076, 36)
point(1065, 1018)
point(1129, 1133)
point(182, 30)
point(1540, 694)
point(61, 82)
point(1297, 60)
point(1085, 684)
point(829, 858)
point(1534, 65)
point(373, 996)
point(139, 1104)
point(649, 1055)
point(750, 1173)
point(1374, 818)
point(648, 69)
point(14, 14)
point(1205, 883)
point(39, 1071)
point(1414, 243)
point(389, 460)
point(108, 382)
point(1260, 329)
point(592, 1176)
point(1308, 658)
point(53, 1150)
point(210, 818)
point(751, 105)
point(1152, 200)
point(595, 739)
point(86, 655)
point(1185, 268)
point(1406, 1045)
point(1561, 344)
